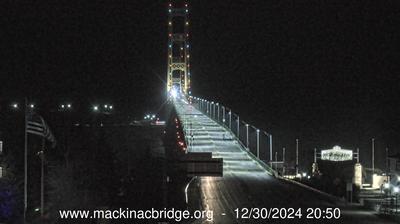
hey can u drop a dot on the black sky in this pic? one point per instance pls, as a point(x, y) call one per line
point(326, 72)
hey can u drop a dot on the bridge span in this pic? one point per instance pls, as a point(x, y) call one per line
point(247, 182)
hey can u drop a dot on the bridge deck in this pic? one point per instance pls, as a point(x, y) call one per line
point(209, 136)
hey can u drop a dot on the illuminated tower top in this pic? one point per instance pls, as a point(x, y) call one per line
point(178, 74)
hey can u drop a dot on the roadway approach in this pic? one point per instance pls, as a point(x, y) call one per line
point(248, 184)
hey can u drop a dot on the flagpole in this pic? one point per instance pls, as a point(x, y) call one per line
point(26, 162)
point(42, 180)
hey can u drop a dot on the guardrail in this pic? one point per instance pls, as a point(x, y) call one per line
point(257, 142)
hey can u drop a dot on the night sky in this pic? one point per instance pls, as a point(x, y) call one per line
point(326, 72)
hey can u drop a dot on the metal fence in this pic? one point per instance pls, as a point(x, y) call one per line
point(254, 140)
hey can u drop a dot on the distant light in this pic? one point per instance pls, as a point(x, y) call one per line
point(62, 106)
point(32, 106)
point(37, 209)
point(69, 105)
point(187, 46)
point(174, 92)
point(111, 107)
point(106, 106)
point(398, 178)
point(169, 10)
point(304, 174)
point(95, 108)
point(170, 46)
point(15, 105)
point(396, 190)
point(187, 10)
point(386, 185)
point(308, 177)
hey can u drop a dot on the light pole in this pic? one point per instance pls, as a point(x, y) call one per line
point(387, 161)
point(283, 160)
point(218, 112)
point(247, 136)
point(238, 127)
point(270, 147)
point(373, 156)
point(223, 115)
point(297, 156)
point(212, 110)
point(230, 119)
point(258, 143)
point(396, 191)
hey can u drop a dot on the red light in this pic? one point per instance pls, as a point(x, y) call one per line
point(186, 5)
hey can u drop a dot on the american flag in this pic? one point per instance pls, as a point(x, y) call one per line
point(37, 126)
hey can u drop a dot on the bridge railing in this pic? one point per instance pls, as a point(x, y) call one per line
point(256, 141)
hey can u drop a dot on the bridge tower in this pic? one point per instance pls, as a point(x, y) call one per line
point(178, 76)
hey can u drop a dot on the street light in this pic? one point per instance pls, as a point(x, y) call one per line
point(14, 106)
point(32, 106)
point(95, 108)
point(396, 191)
point(69, 105)
point(386, 185)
